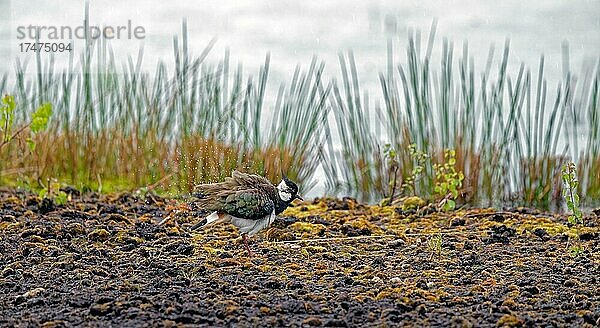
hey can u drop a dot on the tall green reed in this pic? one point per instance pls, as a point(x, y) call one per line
point(508, 135)
point(119, 126)
point(128, 128)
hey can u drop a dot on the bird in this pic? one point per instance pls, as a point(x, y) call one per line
point(248, 201)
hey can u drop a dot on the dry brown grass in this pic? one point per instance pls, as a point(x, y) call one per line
point(115, 161)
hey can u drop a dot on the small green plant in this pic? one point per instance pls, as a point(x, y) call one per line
point(435, 244)
point(419, 160)
point(570, 182)
point(38, 123)
point(7, 116)
point(448, 181)
point(390, 155)
point(52, 191)
point(576, 250)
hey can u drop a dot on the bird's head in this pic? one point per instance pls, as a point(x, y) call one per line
point(288, 190)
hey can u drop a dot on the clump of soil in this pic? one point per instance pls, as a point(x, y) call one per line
point(102, 260)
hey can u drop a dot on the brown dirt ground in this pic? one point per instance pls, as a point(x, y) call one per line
point(102, 260)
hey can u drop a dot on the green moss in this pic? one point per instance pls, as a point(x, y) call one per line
point(310, 228)
point(392, 293)
point(75, 228)
point(11, 226)
point(509, 320)
point(413, 202)
point(305, 210)
point(316, 249)
point(275, 234)
point(123, 237)
point(99, 234)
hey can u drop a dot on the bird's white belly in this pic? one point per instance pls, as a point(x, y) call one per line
point(252, 227)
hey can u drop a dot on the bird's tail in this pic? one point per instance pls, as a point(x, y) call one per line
point(214, 217)
point(199, 224)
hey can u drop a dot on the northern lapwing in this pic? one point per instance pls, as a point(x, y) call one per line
point(248, 201)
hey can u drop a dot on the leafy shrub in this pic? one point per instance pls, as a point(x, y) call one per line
point(570, 182)
point(448, 180)
point(38, 123)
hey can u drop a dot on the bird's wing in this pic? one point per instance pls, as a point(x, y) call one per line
point(248, 204)
point(210, 190)
point(237, 181)
point(249, 180)
point(241, 188)
point(207, 189)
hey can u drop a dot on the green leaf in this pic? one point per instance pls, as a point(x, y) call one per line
point(7, 114)
point(9, 101)
point(8, 104)
point(40, 118)
point(449, 205)
point(42, 193)
point(61, 198)
point(31, 144)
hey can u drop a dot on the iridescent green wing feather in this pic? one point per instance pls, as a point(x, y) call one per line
point(248, 204)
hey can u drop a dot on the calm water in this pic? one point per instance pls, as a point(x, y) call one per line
point(294, 32)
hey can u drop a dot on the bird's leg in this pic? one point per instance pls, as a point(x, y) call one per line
point(245, 239)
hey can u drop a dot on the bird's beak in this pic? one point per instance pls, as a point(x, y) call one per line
point(299, 197)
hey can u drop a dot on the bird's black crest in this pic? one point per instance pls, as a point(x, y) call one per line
point(291, 184)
